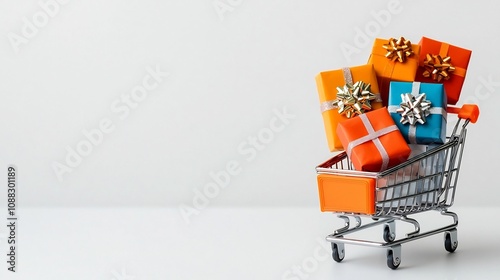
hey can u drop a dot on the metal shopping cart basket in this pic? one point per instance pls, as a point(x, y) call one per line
point(425, 182)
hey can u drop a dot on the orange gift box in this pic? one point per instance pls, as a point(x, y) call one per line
point(459, 59)
point(327, 83)
point(346, 194)
point(373, 142)
point(388, 70)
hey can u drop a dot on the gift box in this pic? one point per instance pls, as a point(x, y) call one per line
point(372, 141)
point(419, 111)
point(329, 83)
point(393, 61)
point(418, 184)
point(432, 170)
point(441, 62)
point(399, 189)
point(418, 149)
point(408, 191)
point(394, 188)
point(430, 165)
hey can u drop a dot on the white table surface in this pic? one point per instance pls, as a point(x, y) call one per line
point(234, 243)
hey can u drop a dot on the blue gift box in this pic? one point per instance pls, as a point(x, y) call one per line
point(433, 130)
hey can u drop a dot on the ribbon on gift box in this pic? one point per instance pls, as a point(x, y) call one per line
point(419, 105)
point(353, 98)
point(439, 67)
point(374, 137)
point(397, 51)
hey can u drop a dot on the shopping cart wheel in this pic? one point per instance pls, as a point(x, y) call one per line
point(338, 251)
point(389, 232)
point(451, 240)
point(394, 257)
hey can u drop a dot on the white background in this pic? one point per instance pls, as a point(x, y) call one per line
point(229, 72)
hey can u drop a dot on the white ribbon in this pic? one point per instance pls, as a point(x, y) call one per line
point(373, 136)
point(347, 75)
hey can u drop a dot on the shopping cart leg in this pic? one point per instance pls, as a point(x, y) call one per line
point(347, 223)
point(394, 256)
point(414, 223)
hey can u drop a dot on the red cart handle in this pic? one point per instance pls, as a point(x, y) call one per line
point(468, 111)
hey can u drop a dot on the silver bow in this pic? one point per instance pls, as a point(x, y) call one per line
point(414, 109)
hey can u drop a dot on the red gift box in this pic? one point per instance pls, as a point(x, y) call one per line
point(372, 141)
point(459, 58)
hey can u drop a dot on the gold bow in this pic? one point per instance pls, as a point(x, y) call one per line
point(437, 67)
point(354, 99)
point(398, 49)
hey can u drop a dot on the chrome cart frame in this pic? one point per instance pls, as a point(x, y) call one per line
point(425, 182)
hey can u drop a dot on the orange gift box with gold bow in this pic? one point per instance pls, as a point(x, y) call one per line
point(441, 62)
point(329, 83)
point(373, 142)
point(393, 60)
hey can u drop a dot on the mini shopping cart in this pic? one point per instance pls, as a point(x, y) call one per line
point(425, 182)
